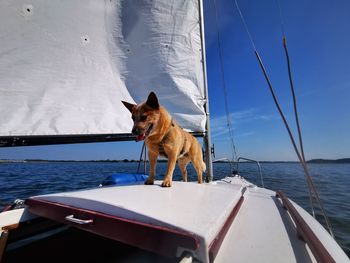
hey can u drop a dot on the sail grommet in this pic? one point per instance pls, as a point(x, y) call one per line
point(85, 40)
point(27, 10)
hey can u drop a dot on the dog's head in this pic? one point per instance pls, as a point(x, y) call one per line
point(144, 115)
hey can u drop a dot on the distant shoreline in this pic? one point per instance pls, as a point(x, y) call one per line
point(343, 160)
point(314, 161)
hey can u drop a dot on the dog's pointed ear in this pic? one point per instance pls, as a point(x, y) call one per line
point(152, 101)
point(129, 106)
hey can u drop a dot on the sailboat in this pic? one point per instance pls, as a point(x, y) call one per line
point(65, 68)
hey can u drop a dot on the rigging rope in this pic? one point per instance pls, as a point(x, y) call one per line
point(301, 156)
point(281, 17)
point(229, 124)
point(310, 181)
point(294, 99)
point(143, 152)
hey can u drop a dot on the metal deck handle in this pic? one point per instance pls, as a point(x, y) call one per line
point(78, 221)
point(257, 163)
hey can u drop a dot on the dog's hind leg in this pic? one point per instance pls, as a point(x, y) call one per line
point(198, 166)
point(183, 162)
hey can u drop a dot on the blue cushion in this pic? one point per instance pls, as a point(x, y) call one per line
point(118, 179)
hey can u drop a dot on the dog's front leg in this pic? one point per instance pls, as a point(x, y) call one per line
point(170, 170)
point(152, 156)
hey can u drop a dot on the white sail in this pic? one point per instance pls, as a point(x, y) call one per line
point(66, 65)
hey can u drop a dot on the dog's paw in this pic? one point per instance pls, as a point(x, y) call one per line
point(166, 183)
point(149, 181)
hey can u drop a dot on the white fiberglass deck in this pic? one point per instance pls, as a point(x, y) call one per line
point(249, 221)
point(198, 209)
point(263, 231)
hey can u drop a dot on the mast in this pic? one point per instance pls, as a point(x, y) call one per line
point(207, 135)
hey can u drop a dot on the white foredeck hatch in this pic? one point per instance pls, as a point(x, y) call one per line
point(198, 209)
point(230, 220)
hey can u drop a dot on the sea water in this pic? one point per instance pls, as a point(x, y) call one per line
point(21, 180)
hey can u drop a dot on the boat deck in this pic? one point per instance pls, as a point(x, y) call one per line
point(275, 237)
point(264, 231)
point(168, 221)
point(229, 220)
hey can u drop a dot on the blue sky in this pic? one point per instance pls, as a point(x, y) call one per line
point(318, 35)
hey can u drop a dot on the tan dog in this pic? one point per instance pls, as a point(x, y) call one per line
point(163, 136)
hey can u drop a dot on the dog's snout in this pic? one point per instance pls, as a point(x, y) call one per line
point(136, 131)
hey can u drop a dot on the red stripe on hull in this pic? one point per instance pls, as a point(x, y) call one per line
point(216, 243)
point(318, 250)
